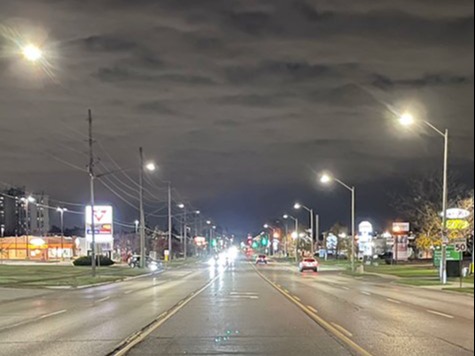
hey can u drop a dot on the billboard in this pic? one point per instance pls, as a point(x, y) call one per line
point(103, 224)
point(401, 228)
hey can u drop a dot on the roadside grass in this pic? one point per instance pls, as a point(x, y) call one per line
point(54, 276)
point(405, 271)
point(419, 282)
point(461, 290)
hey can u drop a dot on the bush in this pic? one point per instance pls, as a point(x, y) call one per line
point(87, 261)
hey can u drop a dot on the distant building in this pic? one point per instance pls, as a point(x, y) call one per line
point(13, 215)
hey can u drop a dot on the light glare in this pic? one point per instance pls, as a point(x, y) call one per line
point(32, 53)
point(407, 119)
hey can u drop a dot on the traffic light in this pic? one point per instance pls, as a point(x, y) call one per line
point(214, 243)
point(255, 245)
point(265, 241)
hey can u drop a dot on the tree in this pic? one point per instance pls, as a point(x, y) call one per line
point(341, 233)
point(422, 206)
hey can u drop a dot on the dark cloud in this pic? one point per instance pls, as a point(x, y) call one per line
point(107, 44)
point(429, 80)
point(240, 95)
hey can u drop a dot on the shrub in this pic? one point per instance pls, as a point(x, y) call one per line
point(87, 261)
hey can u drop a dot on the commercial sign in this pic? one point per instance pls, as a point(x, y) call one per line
point(458, 224)
point(452, 255)
point(457, 214)
point(401, 248)
point(103, 224)
point(401, 227)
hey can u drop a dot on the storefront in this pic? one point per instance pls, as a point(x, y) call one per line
point(36, 248)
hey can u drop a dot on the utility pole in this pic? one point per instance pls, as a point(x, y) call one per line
point(91, 183)
point(142, 214)
point(170, 222)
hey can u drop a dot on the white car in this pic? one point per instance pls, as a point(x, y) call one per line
point(309, 264)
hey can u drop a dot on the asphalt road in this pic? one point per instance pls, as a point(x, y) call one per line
point(90, 321)
point(240, 314)
point(383, 318)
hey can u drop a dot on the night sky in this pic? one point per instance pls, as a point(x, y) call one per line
point(241, 103)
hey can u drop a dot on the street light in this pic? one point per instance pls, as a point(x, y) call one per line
point(185, 230)
point(61, 212)
point(299, 206)
point(150, 167)
point(407, 119)
point(32, 53)
point(327, 179)
point(27, 201)
point(295, 234)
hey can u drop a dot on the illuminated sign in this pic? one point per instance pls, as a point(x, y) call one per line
point(103, 224)
point(401, 227)
point(457, 214)
point(458, 224)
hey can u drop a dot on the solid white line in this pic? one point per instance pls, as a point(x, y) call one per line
point(53, 314)
point(441, 314)
point(103, 300)
point(342, 329)
point(366, 293)
point(312, 309)
point(393, 301)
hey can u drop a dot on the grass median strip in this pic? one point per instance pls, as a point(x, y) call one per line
point(61, 276)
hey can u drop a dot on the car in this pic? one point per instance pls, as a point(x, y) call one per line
point(309, 264)
point(261, 260)
point(151, 264)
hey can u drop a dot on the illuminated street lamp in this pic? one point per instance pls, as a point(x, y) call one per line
point(295, 234)
point(299, 206)
point(32, 53)
point(328, 179)
point(150, 167)
point(408, 120)
point(27, 201)
point(185, 230)
point(61, 212)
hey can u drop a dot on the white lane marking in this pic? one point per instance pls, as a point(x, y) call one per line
point(441, 314)
point(286, 291)
point(247, 293)
point(393, 301)
point(254, 297)
point(312, 309)
point(345, 288)
point(297, 298)
point(342, 329)
point(129, 292)
point(53, 314)
point(367, 293)
point(103, 300)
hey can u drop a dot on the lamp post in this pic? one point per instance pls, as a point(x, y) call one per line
point(150, 167)
point(296, 233)
point(184, 231)
point(327, 179)
point(408, 120)
point(61, 212)
point(299, 206)
point(273, 229)
point(27, 201)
